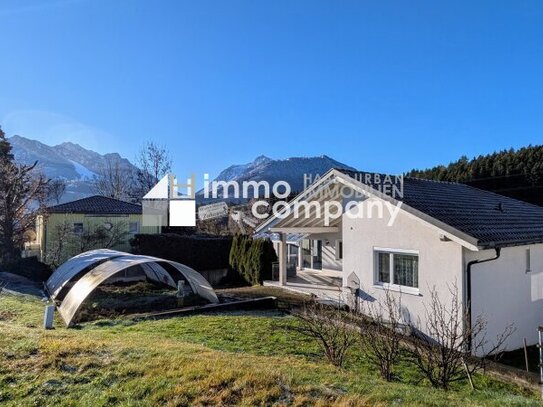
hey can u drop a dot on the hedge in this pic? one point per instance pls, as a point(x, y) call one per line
point(198, 252)
point(252, 258)
point(29, 267)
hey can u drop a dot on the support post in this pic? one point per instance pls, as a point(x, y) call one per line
point(48, 316)
point(283, 259)
point(300, 255)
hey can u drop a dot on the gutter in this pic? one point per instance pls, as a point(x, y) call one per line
point(510, 243)
point(468, 288)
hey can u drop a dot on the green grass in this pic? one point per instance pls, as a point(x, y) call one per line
point(225, 359)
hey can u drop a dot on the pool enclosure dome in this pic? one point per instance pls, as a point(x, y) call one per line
point(78, 277)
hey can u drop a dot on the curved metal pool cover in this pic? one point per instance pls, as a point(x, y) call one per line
point(90, 269)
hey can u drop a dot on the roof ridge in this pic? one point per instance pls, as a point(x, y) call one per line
point(114, 199)
point(96, 204)
point(398, 175)
point(94, 196)
point(70, 202)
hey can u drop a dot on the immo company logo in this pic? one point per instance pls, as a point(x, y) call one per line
point(170, 203)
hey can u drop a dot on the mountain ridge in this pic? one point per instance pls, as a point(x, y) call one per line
point(292, 170)
point(78, 166)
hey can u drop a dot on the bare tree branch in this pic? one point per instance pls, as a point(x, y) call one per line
point(382, 333)
point(56, 189)
point(115, 181)
point(153, 163)
point(65, 242)
point(330, 326)
point(23, 193)
point(444, 352)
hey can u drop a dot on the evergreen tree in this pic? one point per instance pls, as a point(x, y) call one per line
point(5, 148)
point(22, 194)
point(516, 173)
point(252, 258)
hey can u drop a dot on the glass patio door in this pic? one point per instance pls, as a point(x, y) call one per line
point(312, 254)
point(317, 254)
point(306, 253)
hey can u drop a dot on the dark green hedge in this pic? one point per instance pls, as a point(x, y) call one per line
point(198, 252)
point(29, 267)
point(252, 258)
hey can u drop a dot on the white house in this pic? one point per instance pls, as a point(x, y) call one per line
point(428, 235)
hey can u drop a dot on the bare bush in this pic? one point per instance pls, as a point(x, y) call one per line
point(381, 334)
point(58, 249)
point(443, 353)
point(103, 236)
point(330, 326)
point(65, 242)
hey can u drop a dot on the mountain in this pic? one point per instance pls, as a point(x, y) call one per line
point(71, 162)
point(292, 170)
point(78, 166)
point(90, 159)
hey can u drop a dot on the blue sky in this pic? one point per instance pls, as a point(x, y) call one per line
point(382, 86)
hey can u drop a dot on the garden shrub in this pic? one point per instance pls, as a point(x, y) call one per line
point(252, 258)
point(29, 267)
point(198, 252)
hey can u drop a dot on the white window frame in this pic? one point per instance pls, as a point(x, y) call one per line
point(391, 286)
point(137, 227)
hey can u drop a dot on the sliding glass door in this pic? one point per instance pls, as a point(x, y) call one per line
point(317, 254)
point(312, 254)
point(306, 254)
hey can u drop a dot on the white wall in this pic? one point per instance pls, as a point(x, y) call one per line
point(329, 261)
point(504, 293)
point(440, 263)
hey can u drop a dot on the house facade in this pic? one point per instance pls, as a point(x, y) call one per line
point(66, 224)
point(422, 236)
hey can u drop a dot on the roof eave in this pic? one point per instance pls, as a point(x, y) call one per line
point(268, 223)
point(458, 236)
point(509, 243)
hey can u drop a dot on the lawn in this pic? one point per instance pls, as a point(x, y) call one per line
point(247, 358)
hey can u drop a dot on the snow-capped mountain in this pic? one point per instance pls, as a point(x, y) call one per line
point(71, 162)
point(78, 166)
point(292, 170)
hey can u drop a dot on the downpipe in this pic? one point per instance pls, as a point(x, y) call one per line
point(468, 290)
point(540, 346)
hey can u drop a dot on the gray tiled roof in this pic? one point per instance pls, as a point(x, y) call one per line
point(97, 205)
point(492, 219)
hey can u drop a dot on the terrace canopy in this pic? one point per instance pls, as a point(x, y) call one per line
point(75, 280)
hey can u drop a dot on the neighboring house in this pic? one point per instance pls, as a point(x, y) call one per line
point(440, 231)
point(83, 216)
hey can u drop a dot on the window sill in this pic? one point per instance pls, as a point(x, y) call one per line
point(399, 288)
